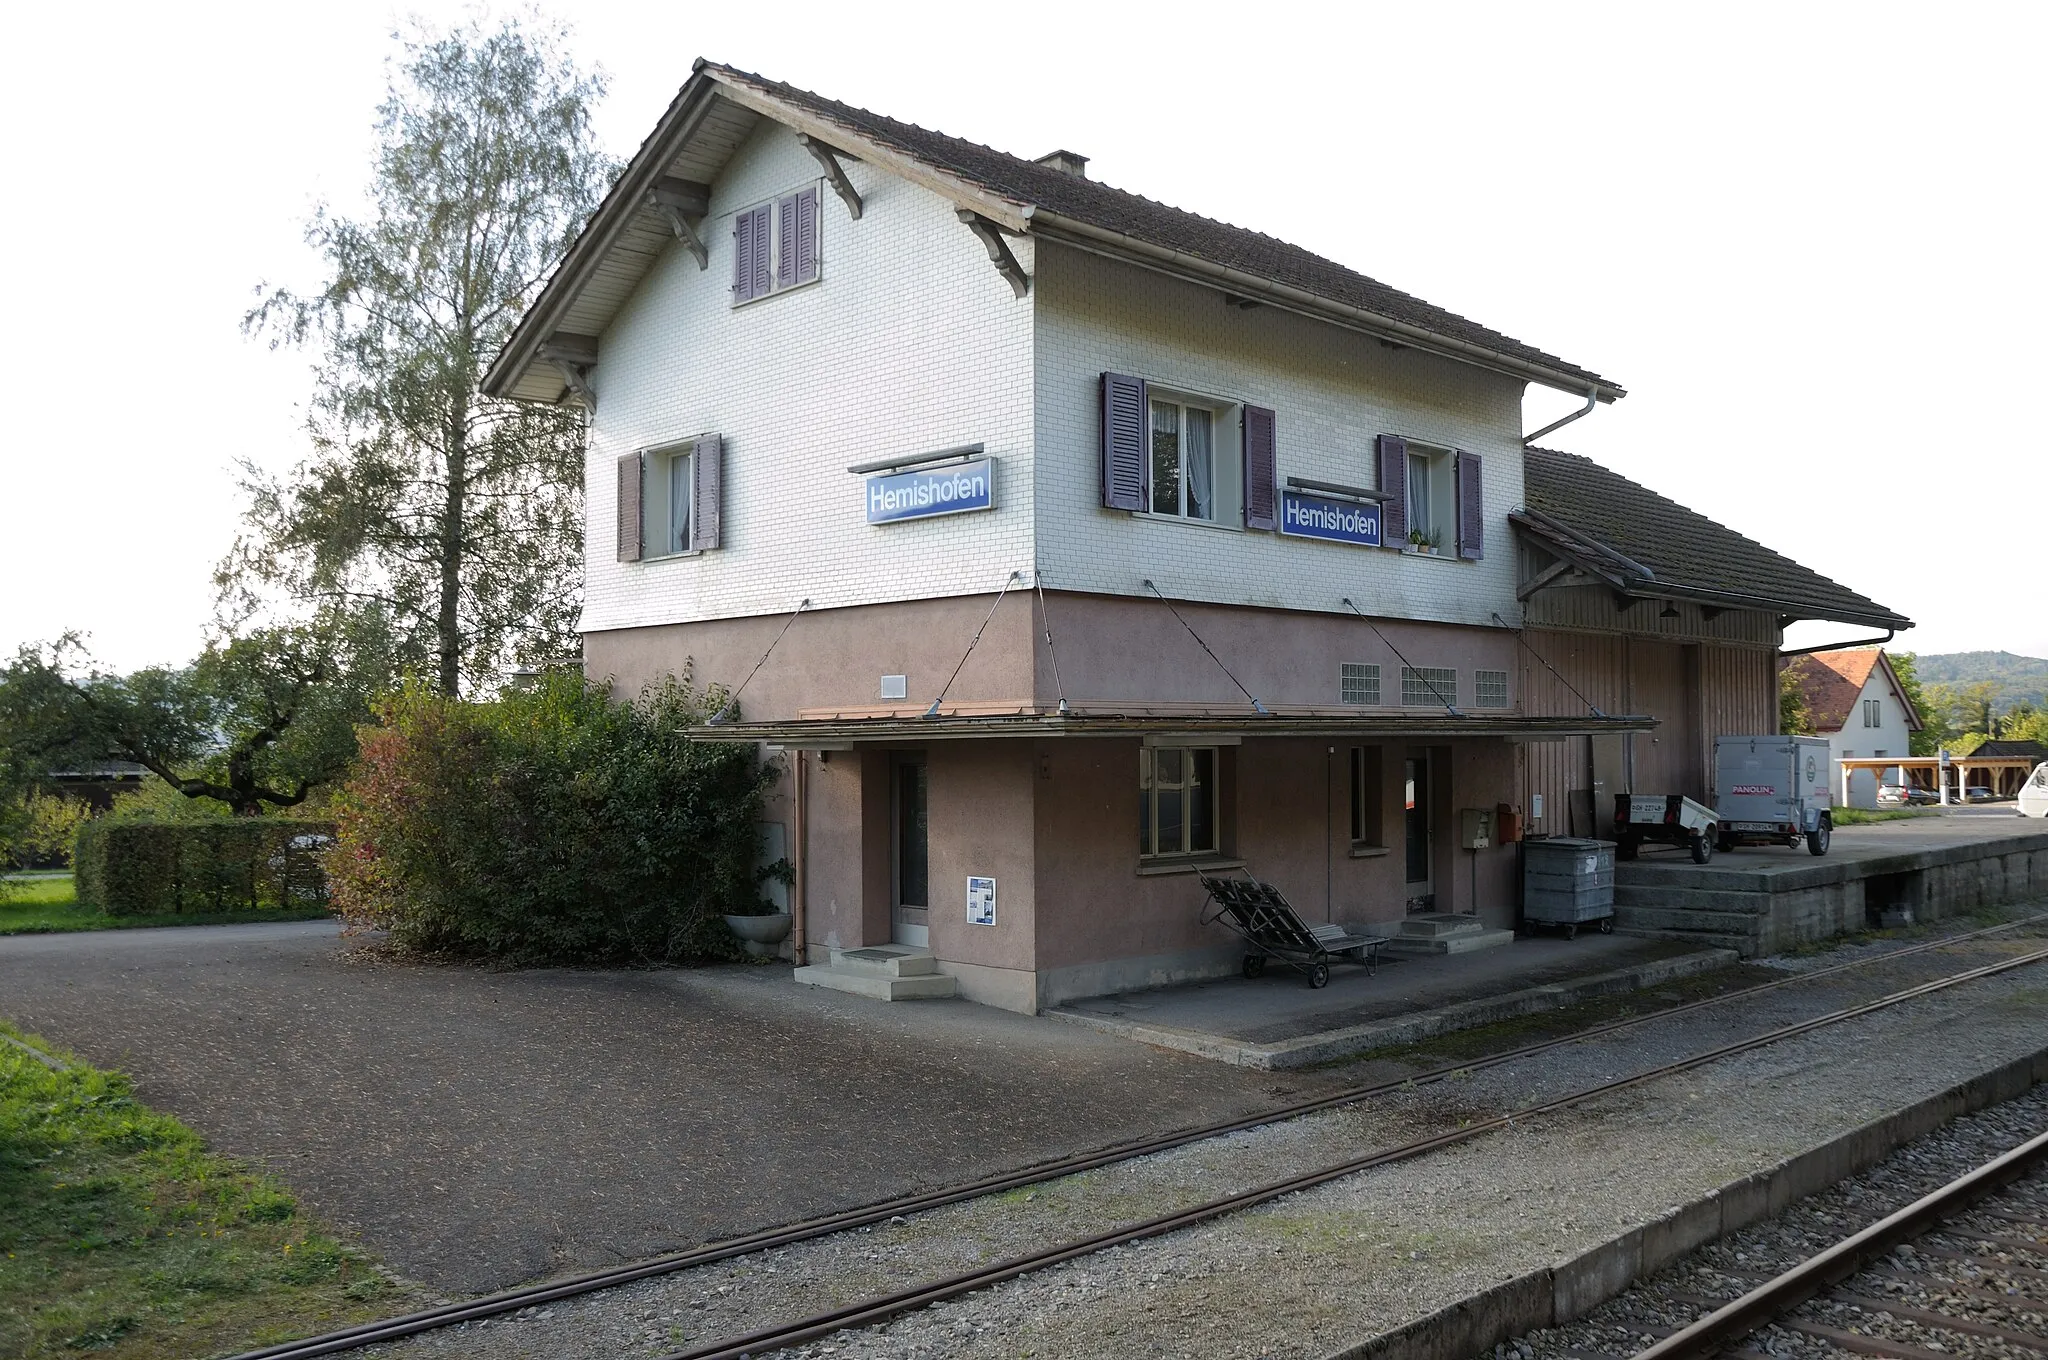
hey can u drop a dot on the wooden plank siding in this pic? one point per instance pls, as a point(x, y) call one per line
point(1696, 691)
point(1595, 609)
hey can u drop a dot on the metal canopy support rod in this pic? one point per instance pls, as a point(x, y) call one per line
point(678, 200)
point(835, 173)
point(998, 250)
point(1516, 633)
point(1449, 707)
point(1014, 576)
point(1045, 616)
point(733, 699)
point(1257, 707)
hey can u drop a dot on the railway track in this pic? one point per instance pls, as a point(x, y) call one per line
point(1960, 1271)
point(869, 1311)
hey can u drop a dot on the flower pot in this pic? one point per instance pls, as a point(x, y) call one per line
point(761, 934)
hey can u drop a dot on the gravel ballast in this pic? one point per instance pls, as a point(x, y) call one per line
point(1309, 1274)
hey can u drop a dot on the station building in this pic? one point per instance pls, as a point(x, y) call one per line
point(1062, 544)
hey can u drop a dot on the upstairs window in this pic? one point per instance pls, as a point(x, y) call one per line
point(1433, 498)
point(1358, 682)
point(1873, 713)
point(1187, 456)
point(1183, 460)
point(1489, 689)
point(775, 245)
point(669, 499)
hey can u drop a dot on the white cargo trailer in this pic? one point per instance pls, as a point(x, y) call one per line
point(1773, 791)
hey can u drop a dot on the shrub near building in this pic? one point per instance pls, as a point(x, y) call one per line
point(550, 826)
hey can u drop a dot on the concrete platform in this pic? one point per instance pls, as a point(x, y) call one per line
point(1278, 1021)
point(1766, 899)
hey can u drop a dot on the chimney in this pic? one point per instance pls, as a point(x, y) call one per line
point(1066, 162)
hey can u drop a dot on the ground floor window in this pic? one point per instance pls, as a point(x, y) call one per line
point(1368, 824)
point(1177, 800)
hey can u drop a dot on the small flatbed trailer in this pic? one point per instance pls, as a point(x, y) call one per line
point(1273, 930)
point(1671, 818)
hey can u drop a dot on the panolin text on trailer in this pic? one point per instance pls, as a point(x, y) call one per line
point(1334, 521)
point(922, 493)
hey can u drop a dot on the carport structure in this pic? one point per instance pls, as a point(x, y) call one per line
point(2002, 774)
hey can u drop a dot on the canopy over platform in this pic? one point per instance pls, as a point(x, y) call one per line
point(844, 729)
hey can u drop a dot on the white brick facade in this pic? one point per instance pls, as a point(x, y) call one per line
point(1333, 392)
point(911, 342)
point(908, 342)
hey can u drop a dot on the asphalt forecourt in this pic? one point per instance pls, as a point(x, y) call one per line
point(727, 1291)
point(1941, 1249)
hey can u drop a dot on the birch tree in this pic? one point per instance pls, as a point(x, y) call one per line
point(456, 516)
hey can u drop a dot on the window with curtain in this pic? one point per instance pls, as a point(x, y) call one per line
point(1183, 460)
point(681, 492)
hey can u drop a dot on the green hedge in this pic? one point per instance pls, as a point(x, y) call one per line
point(146, 868)
point(550, 826)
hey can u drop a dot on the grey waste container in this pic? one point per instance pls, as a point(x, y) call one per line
point(1568, 882)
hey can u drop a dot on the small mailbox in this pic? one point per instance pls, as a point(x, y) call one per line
point(1475, 828)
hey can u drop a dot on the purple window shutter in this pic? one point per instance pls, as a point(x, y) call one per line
point(764, 262)
point(807, 235)
point(1471, 507)
point(1261, 475)
point(1393, 490)
point(742, 257)
point(706, 473)
point(785, 245)
point(629, 508)
point(1126, 466)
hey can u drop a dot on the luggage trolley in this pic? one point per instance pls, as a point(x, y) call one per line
point(1273, 930)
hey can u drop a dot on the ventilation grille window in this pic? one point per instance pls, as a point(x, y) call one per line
point(1429, 686)
point(1489, 689)
point(1360, 683)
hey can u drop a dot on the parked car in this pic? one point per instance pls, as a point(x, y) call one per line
point(1977, 793)
point(1921, 797)
point(2033, 801)
point(1893, 795)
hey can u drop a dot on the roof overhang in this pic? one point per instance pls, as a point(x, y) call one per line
point(626, 210)
point(1194, 269)
point(904, 729)
point(1625, 576)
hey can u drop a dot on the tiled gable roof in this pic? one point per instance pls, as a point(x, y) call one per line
point(1041, 186)
point(1832, 682)
point(1684, 552)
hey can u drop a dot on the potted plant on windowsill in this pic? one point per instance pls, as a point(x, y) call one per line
point(1425, 541)
point(763, 929)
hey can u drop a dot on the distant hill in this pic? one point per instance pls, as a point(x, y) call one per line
point(2019, 678)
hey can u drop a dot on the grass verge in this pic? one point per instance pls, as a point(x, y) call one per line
point(1846, 816)
point(40, 903)
point(121, 1235)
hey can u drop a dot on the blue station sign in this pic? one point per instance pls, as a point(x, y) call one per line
point(1334, 521)
point(922, 493)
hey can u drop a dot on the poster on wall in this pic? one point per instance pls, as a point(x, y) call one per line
point(981, 901)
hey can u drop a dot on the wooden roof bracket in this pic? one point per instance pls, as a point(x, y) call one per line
point(835, 173)
point(678, 200)
point(573, 357)
point(1543, 578)
point(998, 250)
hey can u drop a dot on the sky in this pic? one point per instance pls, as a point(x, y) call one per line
point(1808, 240)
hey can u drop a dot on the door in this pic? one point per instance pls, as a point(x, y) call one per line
point(910, 853)
point(1419, 832)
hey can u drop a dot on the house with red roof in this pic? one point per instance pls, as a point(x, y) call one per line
point(1855, 700)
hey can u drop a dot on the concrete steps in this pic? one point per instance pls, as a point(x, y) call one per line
point(1437, 933)
point(886, 972)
